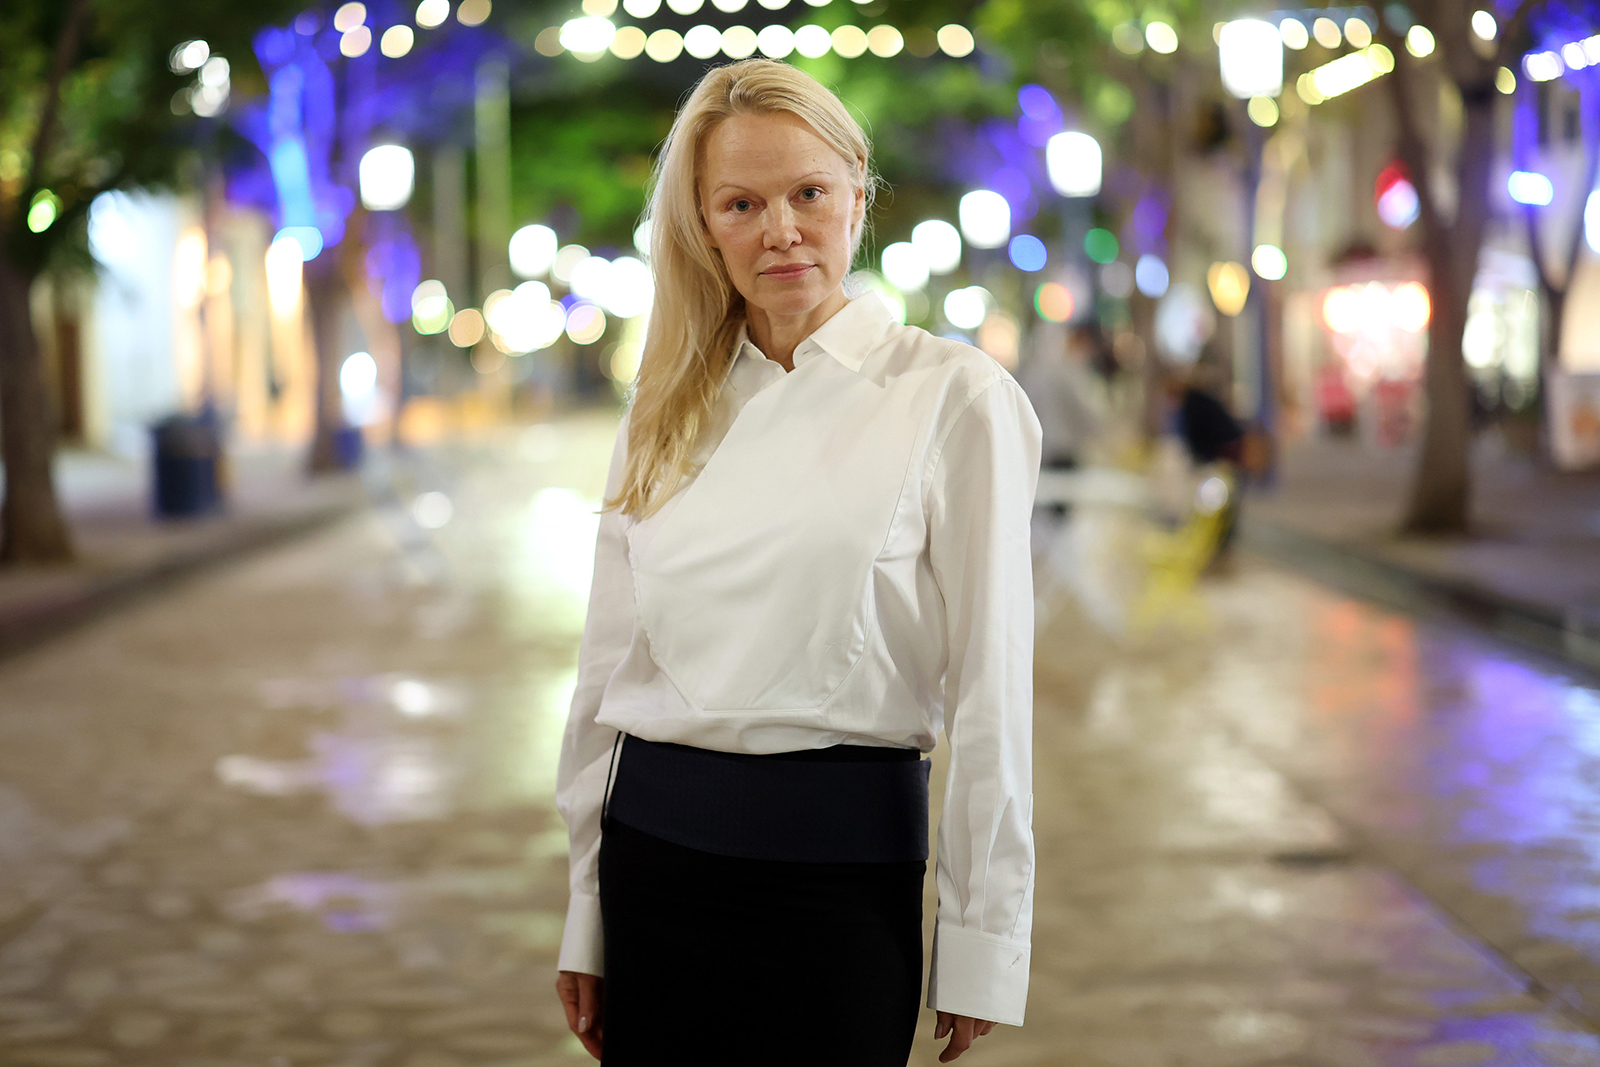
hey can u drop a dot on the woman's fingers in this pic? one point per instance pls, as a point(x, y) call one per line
point(960, 1038)
point(941, 1025)
point(984, 1026)
point(583, 1000)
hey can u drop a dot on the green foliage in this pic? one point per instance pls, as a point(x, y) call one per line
point(591, 152)
point(115, 123)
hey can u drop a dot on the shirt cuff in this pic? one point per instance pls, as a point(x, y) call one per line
point(582, 941)
point(979, 975)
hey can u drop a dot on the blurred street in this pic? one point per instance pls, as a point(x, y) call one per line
point(297, 811)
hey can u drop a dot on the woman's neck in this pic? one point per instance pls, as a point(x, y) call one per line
point(777, 336)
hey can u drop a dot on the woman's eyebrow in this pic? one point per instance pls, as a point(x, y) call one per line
point(738, 187)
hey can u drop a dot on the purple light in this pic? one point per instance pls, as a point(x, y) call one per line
point(1012, 184)
point(1041, 115)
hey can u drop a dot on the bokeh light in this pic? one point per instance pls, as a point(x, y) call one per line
point(940, 244)
point(966, 308)
point(985, 218)
point(1053, 301)
point(1027, 253)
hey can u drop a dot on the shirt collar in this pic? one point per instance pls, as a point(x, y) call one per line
point(851, 335)
point(853, 332)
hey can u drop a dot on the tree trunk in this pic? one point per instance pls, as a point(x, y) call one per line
point(1442, 486)
point(325, 293)
point(1441, 491)
point(31, 527)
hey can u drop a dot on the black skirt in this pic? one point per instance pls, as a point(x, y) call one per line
point(722, 960)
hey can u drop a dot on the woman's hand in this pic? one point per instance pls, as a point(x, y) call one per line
point(583, 997)
point(963, 1031)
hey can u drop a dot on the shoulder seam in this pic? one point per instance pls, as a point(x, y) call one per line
point(936, 457)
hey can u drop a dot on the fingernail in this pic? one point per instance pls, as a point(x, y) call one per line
point(583, 1024)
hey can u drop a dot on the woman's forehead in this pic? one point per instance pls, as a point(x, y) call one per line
point(766, 147)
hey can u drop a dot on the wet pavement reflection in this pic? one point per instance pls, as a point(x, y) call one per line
point(298, 812)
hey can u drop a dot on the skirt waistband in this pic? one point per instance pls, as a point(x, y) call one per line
point(846, 804)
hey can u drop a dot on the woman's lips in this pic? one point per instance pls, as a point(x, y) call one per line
point(787, 273)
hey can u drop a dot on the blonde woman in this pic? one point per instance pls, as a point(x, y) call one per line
point(814, 557)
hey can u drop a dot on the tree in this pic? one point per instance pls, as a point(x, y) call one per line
point(85, 106)
point(1555, 281)
point(1467, 66)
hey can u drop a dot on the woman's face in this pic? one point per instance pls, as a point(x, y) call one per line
point(780, 205)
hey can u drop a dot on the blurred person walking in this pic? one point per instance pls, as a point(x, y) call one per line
point(1057, 381)
point(813, 558)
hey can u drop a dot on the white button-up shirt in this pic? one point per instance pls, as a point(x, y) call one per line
point(849, 565)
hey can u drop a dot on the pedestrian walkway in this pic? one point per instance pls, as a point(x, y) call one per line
point(299, 813)
point(123, 548)
point(1530, 568)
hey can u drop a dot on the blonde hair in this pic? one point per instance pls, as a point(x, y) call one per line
point(697, 311)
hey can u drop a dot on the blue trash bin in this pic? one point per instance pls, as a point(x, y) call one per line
point(187, 452)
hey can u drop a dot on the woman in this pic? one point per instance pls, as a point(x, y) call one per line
point(814, 556)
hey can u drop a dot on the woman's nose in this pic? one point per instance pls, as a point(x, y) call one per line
point(780, 231)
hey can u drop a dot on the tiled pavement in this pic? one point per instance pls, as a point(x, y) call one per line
point(298, 813)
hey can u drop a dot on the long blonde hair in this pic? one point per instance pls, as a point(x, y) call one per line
point(697, 311)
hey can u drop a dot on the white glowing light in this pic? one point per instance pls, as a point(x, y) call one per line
point(431, 510)
point(1074, 162)
point(358, 388)
point(702, 41)
point(1484, 25)
point(590, 278)
point(349, 16)
point(631, 288)
point(358, 375)
point(1150, 275)
point(1161, 38)
point(905, 266)
point(190, 55)
point(567, 257)
point(1530, 187)
point(775, 41)
point(396, 41)
point(985, 218)
point(664, 45)
point(641, 9)
point(1543, 66)
point(939, 243)
point(885, 41)
point(308, 238)
point(1294, 34)
point(1251, 54)
point(387, 174)
point(1398, 206)
point(849, 41)
point(1269, 262)
point(641, 236)
point(355, 42)
point(738, 42)
point(284, 269)
point(532, 250)
point(590, 34)
point(1591, 221)
point(1419, 41)
point(1349, 72)
point(431, 13)
point(965, 309)
point(956, 41)
point(113, 239)
point(812, 41)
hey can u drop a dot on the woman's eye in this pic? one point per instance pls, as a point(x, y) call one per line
point(741, 205)
point(810, 194)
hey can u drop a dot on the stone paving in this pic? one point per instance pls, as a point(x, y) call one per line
point(298, 813)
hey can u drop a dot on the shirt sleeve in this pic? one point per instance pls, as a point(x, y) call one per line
point(980, 500)
point(587, 746)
